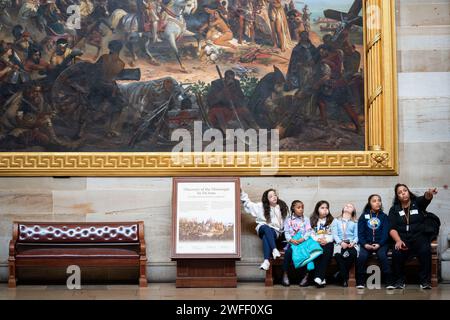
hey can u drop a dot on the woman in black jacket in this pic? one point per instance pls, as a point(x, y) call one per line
point(407, 217)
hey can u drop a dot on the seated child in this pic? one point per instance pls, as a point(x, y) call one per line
point(270, 214)
point(301, 248)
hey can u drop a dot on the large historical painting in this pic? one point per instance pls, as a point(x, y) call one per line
point(136, 70)
point(106, 76)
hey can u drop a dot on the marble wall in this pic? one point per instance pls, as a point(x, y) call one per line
point(423, 30)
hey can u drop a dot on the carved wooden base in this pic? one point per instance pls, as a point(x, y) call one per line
point(434, 271)
point(192, 273)
point(12, 281)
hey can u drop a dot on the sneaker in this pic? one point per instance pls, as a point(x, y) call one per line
point(399, 285)
point(360, 286)
point(319, 282)
point(276, 254)
point(285, 282)
point(425, 286)
point(390, 287)
point(265, 265)
point(337, 275)
point(304, 282)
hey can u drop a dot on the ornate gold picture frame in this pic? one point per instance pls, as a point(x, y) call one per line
point(380, 156)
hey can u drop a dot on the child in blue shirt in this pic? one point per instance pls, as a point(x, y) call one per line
point(345, 234)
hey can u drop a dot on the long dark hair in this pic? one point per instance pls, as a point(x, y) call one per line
point(293, 205)
point(396, 201)
point(315, 215)
point(266, 205)
point(368, 207)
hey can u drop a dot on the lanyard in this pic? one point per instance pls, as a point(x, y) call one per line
point(407, 216)
point(373, 226)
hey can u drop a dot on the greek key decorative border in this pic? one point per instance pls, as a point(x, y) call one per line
point(380, 157)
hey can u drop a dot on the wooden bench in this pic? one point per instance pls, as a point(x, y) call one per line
point(274, 275)
point(85, 244)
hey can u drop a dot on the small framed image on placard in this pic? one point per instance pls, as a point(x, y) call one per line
point(206, 218)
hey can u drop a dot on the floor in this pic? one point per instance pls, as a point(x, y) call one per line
point(244, 291)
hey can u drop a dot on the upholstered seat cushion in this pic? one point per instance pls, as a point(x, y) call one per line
point(76, 252)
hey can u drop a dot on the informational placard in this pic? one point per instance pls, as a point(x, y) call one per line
point(206, 217)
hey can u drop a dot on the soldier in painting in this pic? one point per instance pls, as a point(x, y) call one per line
point(105, 89)
point(148, 17)
point(272, 106)
point(227, 102)
point(301, 65)
point(27, 120)
point(22, 42)
point(35, 65)
point(50, 18)
point(332, 87)
point(8, 71)
point(63, 56)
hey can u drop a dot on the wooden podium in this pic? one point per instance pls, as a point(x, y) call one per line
point(206, 231)
point(211, 273)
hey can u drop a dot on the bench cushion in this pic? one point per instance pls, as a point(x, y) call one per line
point(76, 252)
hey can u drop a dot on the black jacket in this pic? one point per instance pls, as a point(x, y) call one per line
point(417, 211)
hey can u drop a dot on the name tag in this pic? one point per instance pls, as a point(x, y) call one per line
point(367, 216)
point(415, 211)
point(401, 213)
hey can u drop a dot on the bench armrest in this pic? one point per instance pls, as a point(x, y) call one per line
point(12, 248)
point(142, 249)
point(434, 247)
point(142, 246)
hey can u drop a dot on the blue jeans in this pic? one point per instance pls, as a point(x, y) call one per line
point(362, 260)
point(268, 236)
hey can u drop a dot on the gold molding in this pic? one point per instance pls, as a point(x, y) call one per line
point(380, 157)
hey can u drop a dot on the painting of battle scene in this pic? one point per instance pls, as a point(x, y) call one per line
point(122, 75)
point(195, 230)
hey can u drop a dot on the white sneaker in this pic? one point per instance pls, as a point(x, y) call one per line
point(318, 281)
point(276, 254)
point(390, 287)
point(425, 286)
point(324, 282)
point(265, 265)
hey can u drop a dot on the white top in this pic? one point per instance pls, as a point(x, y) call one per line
point(322, 232)
point(257, 211)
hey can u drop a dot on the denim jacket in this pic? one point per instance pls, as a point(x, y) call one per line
point(351, 231)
